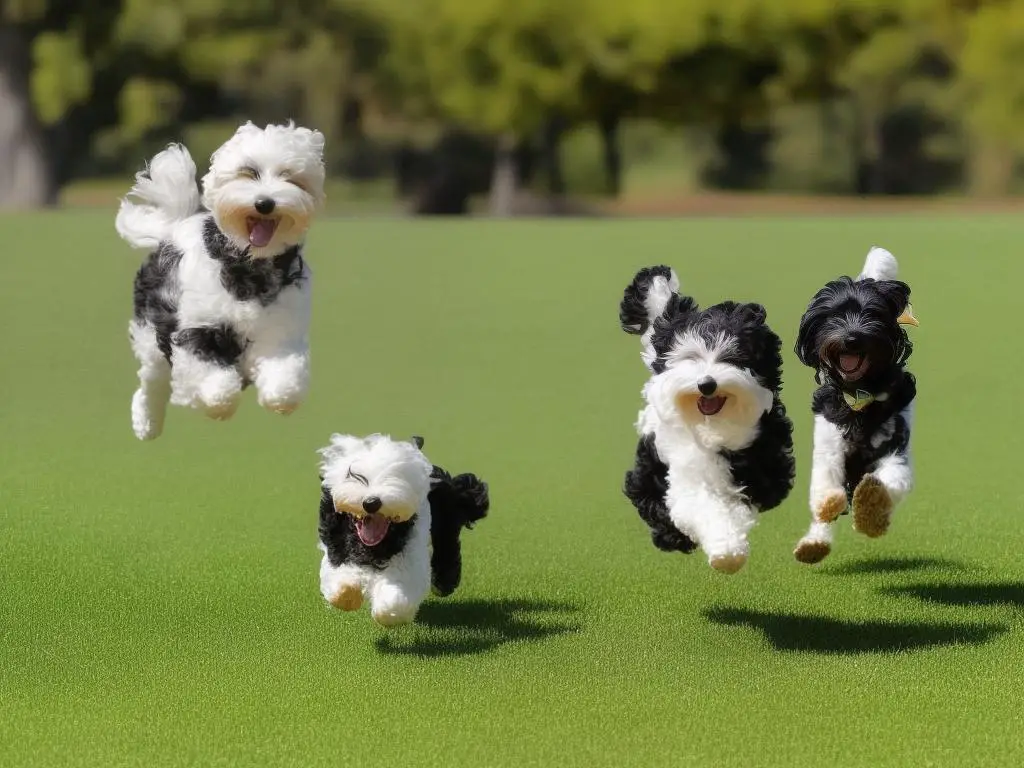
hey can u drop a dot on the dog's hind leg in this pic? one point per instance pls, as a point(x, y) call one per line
point(645, 486)
point(149, 403)
point(877, 495)
point(879, 492)
point(455, 503)
point(815, 544)
point(828, 494)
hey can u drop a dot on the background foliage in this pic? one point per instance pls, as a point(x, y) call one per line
point(847, 96)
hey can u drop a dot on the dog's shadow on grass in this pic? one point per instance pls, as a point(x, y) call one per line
point(965, 595)
point(824, 635)
point(465, 627)
point(891, 565)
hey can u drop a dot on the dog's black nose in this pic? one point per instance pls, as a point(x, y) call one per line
point(372, 503)
point(264, 205)
point(707, 386)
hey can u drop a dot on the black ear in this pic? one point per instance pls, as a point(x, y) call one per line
point(896, 294)
point(806, 339)
point(417, 441)
point(758, 314)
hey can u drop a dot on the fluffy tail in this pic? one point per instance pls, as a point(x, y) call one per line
point(646, 298)
point(879, 265)
point(455, 503)
point(167, 193)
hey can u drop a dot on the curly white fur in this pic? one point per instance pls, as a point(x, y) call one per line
point(398, 474)
point(279, 168)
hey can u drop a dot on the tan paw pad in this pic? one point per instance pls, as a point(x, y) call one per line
point(872, 507)
point(348, 598)
point(811, 552)
point(831, 508)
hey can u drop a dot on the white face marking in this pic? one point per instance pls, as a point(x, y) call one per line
point(395, 472)
point(283, 164)
point(675, 393)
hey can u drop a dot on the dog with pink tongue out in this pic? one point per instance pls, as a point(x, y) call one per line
point(223, 300)
point(854, 336)
point(390, 525)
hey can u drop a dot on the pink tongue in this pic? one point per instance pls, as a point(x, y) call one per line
point(849, 362)
point(262, 232)
point(372, 529)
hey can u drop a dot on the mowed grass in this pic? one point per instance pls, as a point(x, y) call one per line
point(159, 602)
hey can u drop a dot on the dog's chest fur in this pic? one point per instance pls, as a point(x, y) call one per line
point(689, 462)
point(200, 279)
point(880, 430)
point(338, 534)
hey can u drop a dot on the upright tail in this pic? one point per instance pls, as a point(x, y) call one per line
point(653, 293)
point(455, 503)
point(879, 265)
point(647, 298)
point(167, 193)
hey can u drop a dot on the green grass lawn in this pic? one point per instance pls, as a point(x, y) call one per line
point(159, 602)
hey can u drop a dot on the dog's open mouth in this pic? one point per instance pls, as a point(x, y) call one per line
point(261, 230)
point(371, 529)
point(852, 366)
point(709, 406)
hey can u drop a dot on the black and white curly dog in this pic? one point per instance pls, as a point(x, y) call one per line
point(852, 335)
point(223, 300)
point(390, 525)
point(716, 446)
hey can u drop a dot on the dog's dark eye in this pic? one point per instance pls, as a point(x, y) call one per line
point(248, 172)
point(356, 476)
point(298, 183)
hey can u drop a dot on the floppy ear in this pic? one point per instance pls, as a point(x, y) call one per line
point(896, 294)
point(806, 347)
point(758, 314)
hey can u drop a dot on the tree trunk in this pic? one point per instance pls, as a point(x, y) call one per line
point(609, 127)
point(503, 182)
point(552, 156)
point(25, 180)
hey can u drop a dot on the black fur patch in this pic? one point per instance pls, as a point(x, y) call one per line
point(249, 279)
point(646, 485)
point(766, 468)
point(455, 503)
point(153, 294)
point(338, 533)
point(218, 344)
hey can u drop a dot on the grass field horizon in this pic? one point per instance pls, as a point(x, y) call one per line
point(159, 601)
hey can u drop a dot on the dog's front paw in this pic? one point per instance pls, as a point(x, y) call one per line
point(281, 405)
point(728, 563)
point(391, 607)
point(349, 597)
point(220, 393)
point(830, 506)
point(811, 551)
point(872, 507)
point(729, 556)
